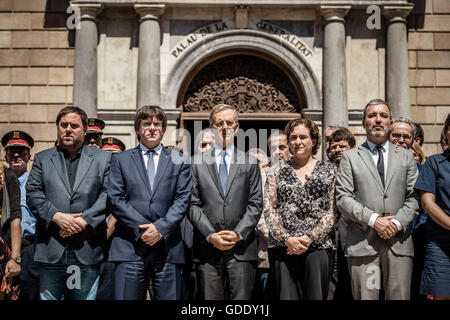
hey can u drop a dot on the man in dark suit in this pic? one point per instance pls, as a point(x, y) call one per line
point(226, 204)
point(148, 194)
point(66, 191)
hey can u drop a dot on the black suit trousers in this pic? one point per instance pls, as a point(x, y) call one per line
point(226, 278)
point(300, 277)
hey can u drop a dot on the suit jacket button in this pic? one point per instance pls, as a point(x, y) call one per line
point(385, 196)
point(222, 222)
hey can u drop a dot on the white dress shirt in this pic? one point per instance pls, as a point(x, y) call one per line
point(218, 155)
point(374, 152)
point(144, 150)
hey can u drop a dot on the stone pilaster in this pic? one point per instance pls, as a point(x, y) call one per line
point(148, 85)
point(397, 80)
point(85, 72)
point(241, 17)
point(334, 84)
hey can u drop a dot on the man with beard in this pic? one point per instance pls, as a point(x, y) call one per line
point(340, 140)
point(375, 192)
point(226, 204)
point(94, 133)
point(18, 145)
point(66, 191)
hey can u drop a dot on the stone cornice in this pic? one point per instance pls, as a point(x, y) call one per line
point(334, 13)
point(397, 13)
point(150, 11)
point(240, 7)
point(253, 3)
point(88, 10)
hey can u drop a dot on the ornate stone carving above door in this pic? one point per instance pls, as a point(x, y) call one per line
point(248, 83)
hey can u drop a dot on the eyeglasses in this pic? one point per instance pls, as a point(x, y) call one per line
point(398, 136)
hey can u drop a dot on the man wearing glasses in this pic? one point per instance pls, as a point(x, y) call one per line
point(401, 132)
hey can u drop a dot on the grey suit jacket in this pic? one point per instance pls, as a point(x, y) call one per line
point(48, 191)
point(238, 209)
point(360, 193)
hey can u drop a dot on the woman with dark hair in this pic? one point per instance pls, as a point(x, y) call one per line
point(10, 234)
point(299, 211)
point(434, 186)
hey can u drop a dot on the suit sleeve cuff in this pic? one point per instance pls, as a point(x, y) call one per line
point(209, 236)
point(399, 226)
point(372, 219)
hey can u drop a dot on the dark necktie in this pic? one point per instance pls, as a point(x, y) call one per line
point(151, 167)
point(223, 172)
point(380, 164)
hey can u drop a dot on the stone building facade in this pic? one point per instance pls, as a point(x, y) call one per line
point(273, 60)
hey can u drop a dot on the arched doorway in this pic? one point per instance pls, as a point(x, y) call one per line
point(263, 91)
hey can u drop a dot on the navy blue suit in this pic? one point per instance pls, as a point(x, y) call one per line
point(132, 202)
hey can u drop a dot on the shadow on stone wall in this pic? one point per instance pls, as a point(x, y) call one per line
point(417, 17)
point(56, 17)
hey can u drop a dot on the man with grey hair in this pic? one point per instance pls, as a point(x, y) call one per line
point(401, 132)
point(226, 204)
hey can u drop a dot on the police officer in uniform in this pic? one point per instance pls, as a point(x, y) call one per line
point(94, 133)
point(113, 145)
point(106, 283)
point(18, 146)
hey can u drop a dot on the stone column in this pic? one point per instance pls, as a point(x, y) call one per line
point(334, 84)
point(85, 73)
point(148, 85)
point(397, 80)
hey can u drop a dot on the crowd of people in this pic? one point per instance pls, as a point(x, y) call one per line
point(93, 221)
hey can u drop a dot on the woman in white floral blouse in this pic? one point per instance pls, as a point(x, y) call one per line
point(300, 213)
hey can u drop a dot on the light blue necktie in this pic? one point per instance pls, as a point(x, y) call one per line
point(223, 172)
point(151, 167)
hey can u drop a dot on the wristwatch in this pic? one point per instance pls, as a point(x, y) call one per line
point(17, 260)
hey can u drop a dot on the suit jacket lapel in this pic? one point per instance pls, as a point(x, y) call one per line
point(140, 166)
point(365, 154)
point(392, 163)
point(60, 165)
point(86, 159)
point(162, 165)
point(212, 167)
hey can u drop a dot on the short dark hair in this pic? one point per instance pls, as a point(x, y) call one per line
point(418, 133)
point(73, 109)
point(375, 102)
point(149, 111)
point(312, 127)
point(343, 134)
